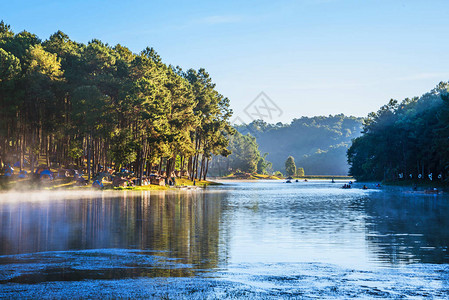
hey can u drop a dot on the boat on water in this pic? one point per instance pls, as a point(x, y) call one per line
point(288, 181)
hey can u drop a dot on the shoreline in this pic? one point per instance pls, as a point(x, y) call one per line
point(30, 185)
point(249, 176)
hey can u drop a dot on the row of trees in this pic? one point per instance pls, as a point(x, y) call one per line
point(245, 157)
point(71, 103)
point(409, 139)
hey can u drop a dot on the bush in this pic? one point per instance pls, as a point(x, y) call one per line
point(278, 174)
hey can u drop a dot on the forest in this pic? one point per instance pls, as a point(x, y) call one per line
point(407, 140)
point(92, 105)
point(245, 157)
point(318, 144)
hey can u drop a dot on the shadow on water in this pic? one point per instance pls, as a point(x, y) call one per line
point(406, 228)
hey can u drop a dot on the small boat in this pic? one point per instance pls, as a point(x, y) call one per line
point(288, 181)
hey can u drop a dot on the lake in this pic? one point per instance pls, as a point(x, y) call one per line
point(264, 239)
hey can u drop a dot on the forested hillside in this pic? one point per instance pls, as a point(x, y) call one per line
point(405, 140)
point(68, 103)
point(318, 144)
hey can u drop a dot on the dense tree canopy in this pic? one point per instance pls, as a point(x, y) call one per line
point(319, 144)
point(408, 139)
point(94, 104)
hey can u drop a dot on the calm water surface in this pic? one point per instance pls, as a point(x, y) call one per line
point(242, 239)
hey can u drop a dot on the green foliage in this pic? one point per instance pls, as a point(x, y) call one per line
point(44, 63)
point(278, 174)
point(245, 157)
point(264, 166)
point(300, 172)
point(408, 138)
point(290, 167)
point(67, 98)
point(75, 150)
point(245, 154)
point(124, 149)
point(308, 140)
point(9, 66)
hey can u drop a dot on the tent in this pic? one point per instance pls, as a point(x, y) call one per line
point(40, 170)
point(46, 173)
point(97, 184)
point(25, 162)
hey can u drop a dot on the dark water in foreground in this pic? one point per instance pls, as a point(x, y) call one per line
point(240, 240)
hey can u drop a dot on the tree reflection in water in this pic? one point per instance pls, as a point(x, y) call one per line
point(404, 228)
point(171, 224)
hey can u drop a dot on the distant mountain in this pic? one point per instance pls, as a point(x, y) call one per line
point(318, 144)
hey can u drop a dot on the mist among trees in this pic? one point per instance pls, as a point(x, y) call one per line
point(405, 140)
point(318, 144)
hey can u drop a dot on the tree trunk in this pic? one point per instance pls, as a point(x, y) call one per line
point(88, 156)
point(22, 151)
point(160, 167)
point(201, 168)
point(207, 168)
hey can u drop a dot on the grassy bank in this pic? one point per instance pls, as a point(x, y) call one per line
point(180, 182)
point(249, 176)
point(68, 184)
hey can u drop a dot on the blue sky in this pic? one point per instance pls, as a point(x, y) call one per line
point(311, 57)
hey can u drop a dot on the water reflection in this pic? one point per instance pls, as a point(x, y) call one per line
point(318, 222)
point(239, 223)
point(406, 228)
point(178, 225)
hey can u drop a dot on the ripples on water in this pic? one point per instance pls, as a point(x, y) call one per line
point(252, 239)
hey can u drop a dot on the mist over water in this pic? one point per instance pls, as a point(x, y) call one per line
point(256, 238)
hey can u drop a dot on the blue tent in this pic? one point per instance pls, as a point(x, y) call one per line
point(97, 184)
point(46, 172)
point(17, 164)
